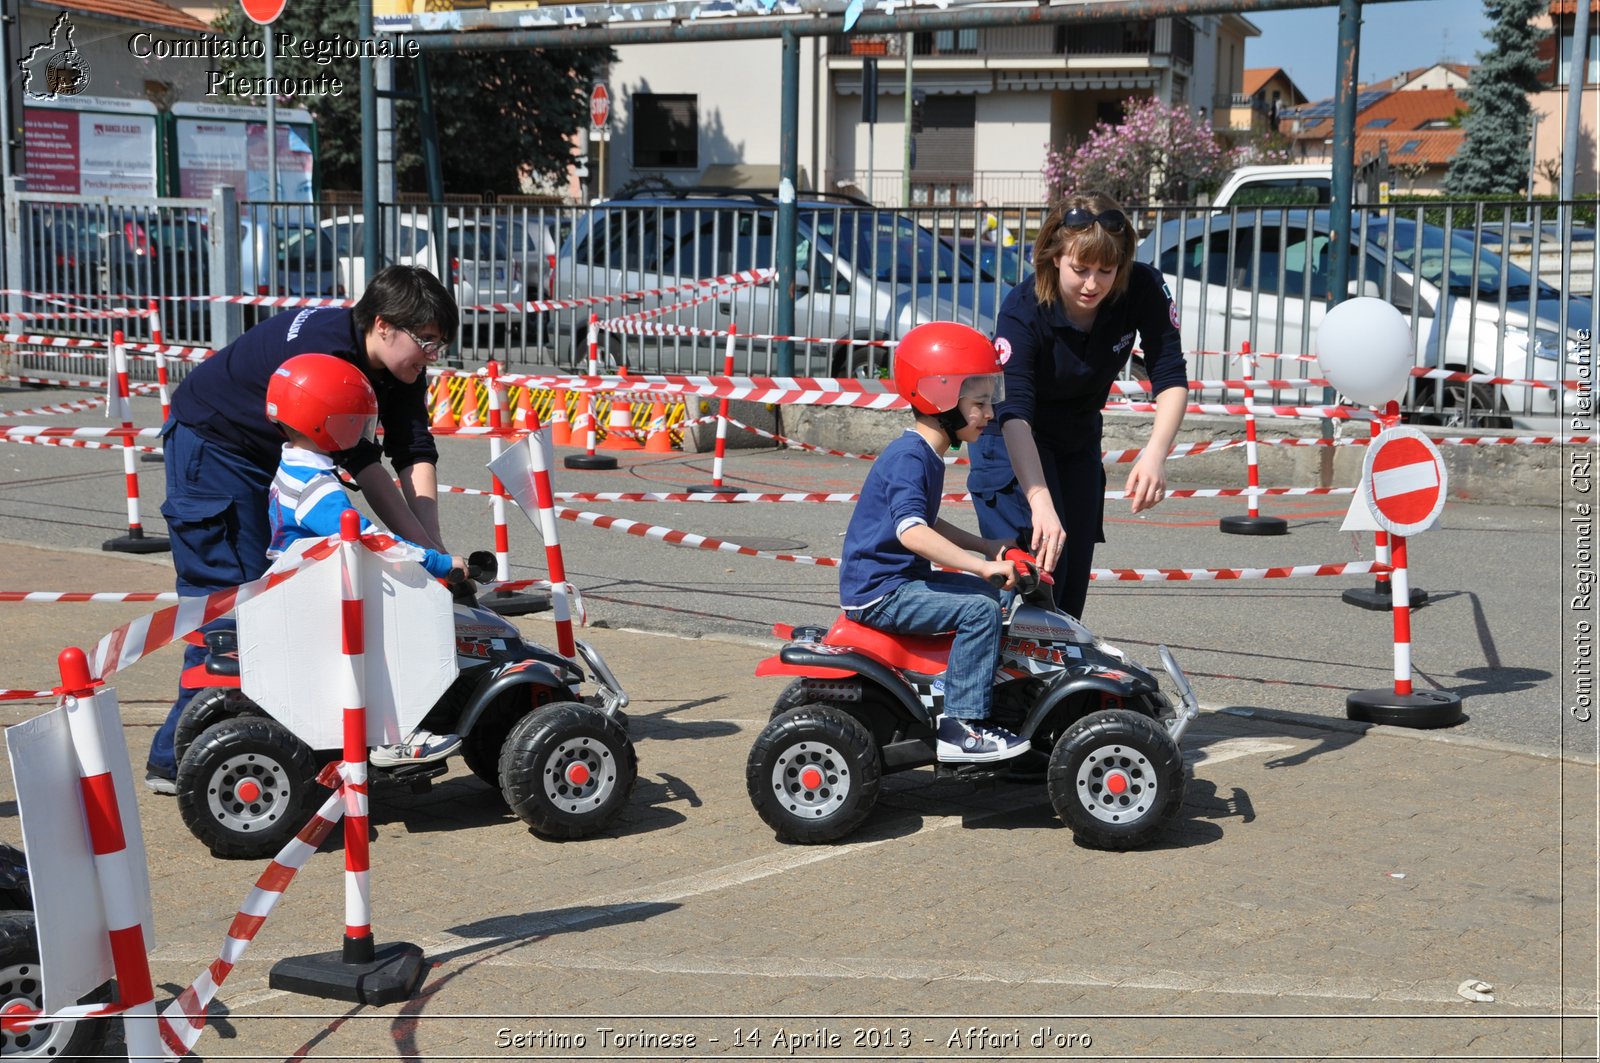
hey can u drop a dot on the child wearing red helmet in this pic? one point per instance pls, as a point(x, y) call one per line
point(951, 375)
point(323, 405)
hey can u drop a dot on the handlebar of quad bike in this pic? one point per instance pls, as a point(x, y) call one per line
point(481, 566)
point(1033, 584)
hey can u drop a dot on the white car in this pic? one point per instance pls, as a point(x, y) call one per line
point(1263, 277)
point(476, 261)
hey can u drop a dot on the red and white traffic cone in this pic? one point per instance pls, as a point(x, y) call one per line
point(560, 428)
point(658, 436)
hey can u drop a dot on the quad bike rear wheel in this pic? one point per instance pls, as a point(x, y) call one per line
point(1116, 778)
point(245, 787)
point(567, 769)
point(21, 987)
point(211, 705)
point(813, 774)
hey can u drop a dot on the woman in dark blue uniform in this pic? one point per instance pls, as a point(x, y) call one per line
point(1065, 336)
point(222, 452)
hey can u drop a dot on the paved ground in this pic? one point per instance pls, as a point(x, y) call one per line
point(1326, 890)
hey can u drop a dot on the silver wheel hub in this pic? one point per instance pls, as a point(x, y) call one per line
point(22, 991)
point(1117, 783)
point(580, 775)
point(248, 792)
point(811, 779)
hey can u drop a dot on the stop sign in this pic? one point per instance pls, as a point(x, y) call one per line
point(1406, 481)
point(599, 105)
point(263, 12)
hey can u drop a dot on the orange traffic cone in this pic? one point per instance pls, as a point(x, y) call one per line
point(444, 419)
point(560, 430)
point(658, 440)
point(619, 428)
point(520, 420)
point(582, 421)
point(470, 417)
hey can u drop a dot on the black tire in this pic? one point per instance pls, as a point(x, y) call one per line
point(567, 770)
point(211, 705)
point(813, 774)
point(1448, 405)
point(20, 984)
point(793, 696)
point(1116, 778)
point(245, 787)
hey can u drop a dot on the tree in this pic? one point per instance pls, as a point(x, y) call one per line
point(496, 111)
point(1157, 153)
point(1493, 157)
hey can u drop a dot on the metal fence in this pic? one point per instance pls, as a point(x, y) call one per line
point(1503, 290)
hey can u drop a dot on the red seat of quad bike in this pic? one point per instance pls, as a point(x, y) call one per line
point(926, 654)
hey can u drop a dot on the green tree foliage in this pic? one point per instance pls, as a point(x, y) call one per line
point(1493, 158)
point(1156, 154)
point(496, 111)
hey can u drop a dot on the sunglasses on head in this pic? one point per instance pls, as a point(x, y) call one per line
point(1112, 221)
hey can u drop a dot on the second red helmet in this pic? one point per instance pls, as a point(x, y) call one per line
point(933, 361)
point(324, 398)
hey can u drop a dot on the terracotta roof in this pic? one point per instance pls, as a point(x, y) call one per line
point(147, 12)
point(1412, 109)
point(1434, 147)
point(1570, 7)
point(1258, 76)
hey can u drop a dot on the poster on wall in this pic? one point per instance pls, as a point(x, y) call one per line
point(224, 145)
point(90, 145)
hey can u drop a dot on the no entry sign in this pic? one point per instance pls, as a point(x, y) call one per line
point(1405, 481)
point(599, 105)
point(263, 12)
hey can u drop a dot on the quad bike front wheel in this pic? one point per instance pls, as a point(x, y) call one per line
point(813, 774)
point(211, 705)
point(245, 787)
point(1116, 778)
point(567, 769)
point(21, 988)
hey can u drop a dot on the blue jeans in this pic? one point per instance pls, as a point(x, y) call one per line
point(216, 513)
point(949, 601)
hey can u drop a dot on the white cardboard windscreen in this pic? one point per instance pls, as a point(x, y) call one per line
point(74, 949)
point(515, 468)
point(291, 663)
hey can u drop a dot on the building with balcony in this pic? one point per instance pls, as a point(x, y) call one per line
point(987, 101)
point(1257, 106)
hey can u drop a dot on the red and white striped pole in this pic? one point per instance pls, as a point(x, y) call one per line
point(504, 602)
point(135, 541)
point(721, 447)
point(358, 947)
point(163, 387)
point(1381, 596)
point(123, 893)
point(1253, 523)
point(544, 496)
point(589, 459)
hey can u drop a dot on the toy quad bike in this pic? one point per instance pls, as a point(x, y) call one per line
point(20, 986)
point(1102, 731)
point(564, 765)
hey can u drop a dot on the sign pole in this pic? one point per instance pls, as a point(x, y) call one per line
point(272, 121)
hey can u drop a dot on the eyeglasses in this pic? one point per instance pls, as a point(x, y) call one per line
point(1112, 221)
point(431, 348)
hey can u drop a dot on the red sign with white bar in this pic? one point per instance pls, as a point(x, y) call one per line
point(1406, 481)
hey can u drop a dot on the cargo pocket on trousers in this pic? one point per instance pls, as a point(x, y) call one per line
point(203, 530)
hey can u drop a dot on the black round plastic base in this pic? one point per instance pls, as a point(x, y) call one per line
point(139, 543)
point(1381, 598)
point(392, 975)
point(153, 458)
point(1424, 710)
point(1248, 525)
point(515, 603)
point(589, 461)
point(713, 489)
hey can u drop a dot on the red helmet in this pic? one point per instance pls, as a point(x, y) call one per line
point(324, 398)
point(934, 360)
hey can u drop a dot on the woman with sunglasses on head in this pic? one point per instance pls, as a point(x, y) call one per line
point(1065, 338)
point(222, 452)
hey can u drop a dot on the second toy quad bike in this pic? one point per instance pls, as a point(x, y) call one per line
point(564, 764)
point(865, 703)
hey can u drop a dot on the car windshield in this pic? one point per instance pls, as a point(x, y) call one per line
point(887, 247)
point(1470, 270)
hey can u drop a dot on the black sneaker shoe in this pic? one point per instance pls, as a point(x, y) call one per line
point(975, 742)
point(160, 784)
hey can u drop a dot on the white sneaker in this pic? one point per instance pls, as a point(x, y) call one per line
point(420, 748)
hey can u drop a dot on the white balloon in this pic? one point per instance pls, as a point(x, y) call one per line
point(1365, 349)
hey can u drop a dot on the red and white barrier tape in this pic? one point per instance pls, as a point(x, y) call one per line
point(77, 406)
point(1181, 575)
point(1342, 413)
point(51, 341)
point(47, 432)
point(86, 444)
point(680, 538)
point(51, 597)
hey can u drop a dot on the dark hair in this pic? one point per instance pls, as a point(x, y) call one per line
point(409, 297)
point(1092, 245)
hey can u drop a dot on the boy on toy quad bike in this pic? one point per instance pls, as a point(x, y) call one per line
point(324, 404)
point(952, 376)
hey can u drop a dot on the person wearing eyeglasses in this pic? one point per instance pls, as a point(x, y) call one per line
point(222, 451)
point(1065, 338)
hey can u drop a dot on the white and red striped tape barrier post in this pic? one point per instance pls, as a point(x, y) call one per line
point(589, 412)
point(500, 599)
point(124, 894)
point(1252, 523)
point(1380, 596)
point(562, 593)
point(135, 541)
point(183, 1020)
point(721, 446)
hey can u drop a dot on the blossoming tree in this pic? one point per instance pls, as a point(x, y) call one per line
point(1157, 154)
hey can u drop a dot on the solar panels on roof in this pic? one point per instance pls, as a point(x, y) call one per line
point(1324, 108)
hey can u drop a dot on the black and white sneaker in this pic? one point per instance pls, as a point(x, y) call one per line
point(975, 742)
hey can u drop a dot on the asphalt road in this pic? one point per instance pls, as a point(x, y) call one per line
point(1493, 632)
